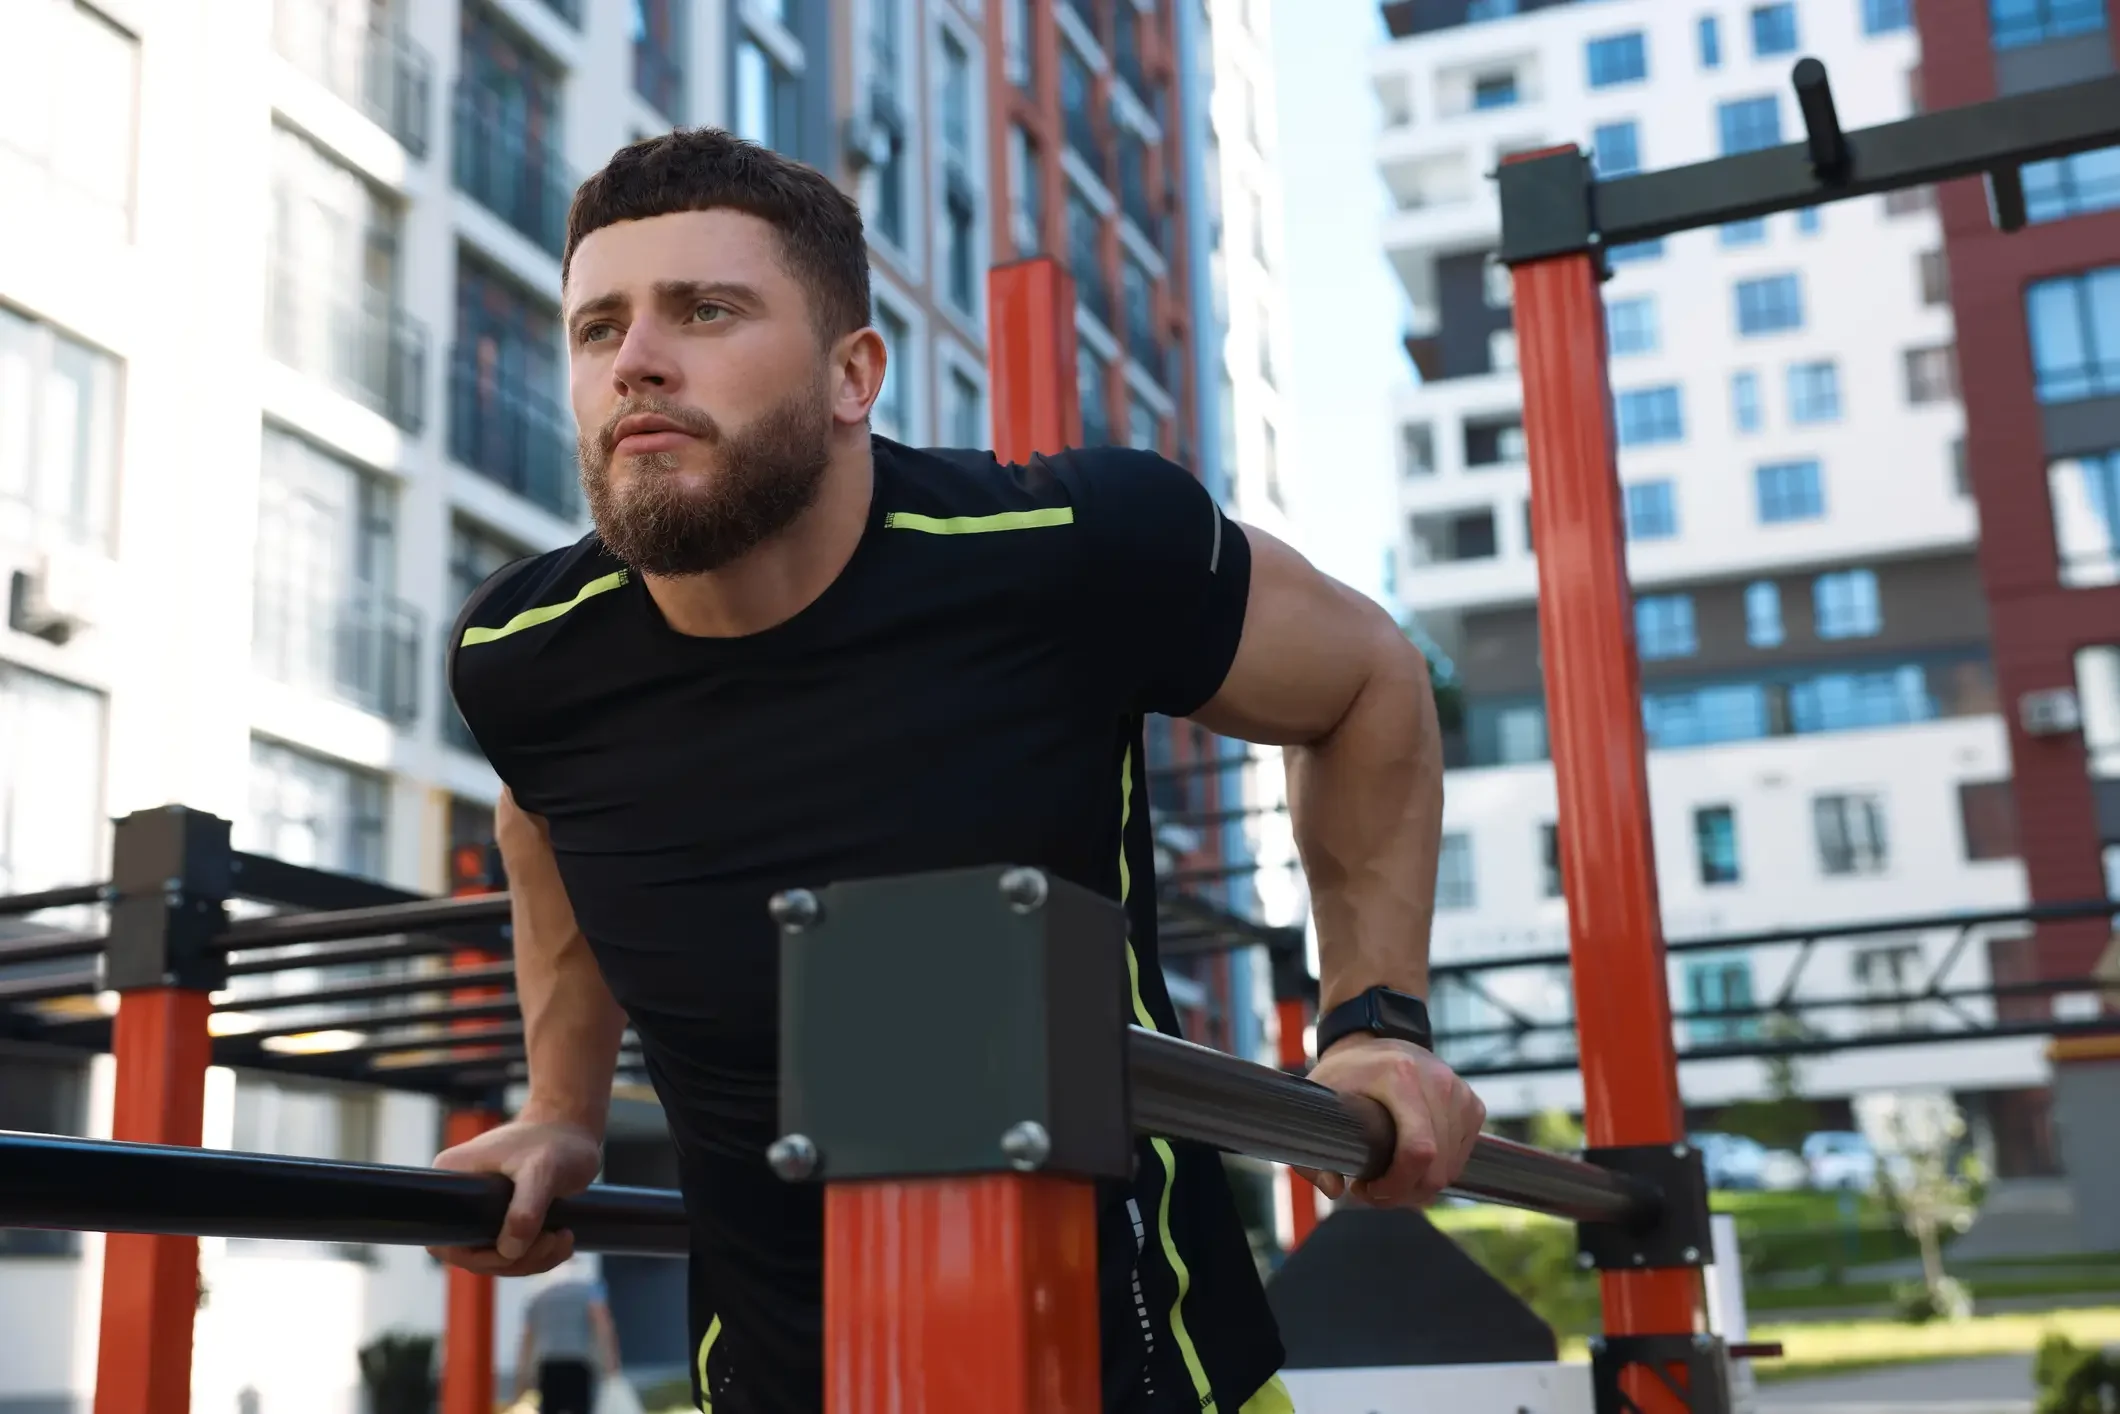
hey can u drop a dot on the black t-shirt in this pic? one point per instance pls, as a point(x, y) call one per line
point(969, 690)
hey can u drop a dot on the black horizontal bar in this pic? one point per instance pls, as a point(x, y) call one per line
point(1929, 147)
point(85, 1185)
point(40, 989)
point(1200, 768)
point(50, 946)
point(505, 1008)
point(498, 975)
point(1186, 1091)
point(411, 945)
point(419, 915)
point(268, 880)
point(12, 904)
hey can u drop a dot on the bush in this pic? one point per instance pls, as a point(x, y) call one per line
point(1535, 1258)
point(397, 1370)
point(669, 1397)
point(1917, 1302)
point(2072, 1380)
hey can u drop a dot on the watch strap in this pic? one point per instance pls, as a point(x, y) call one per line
point(1379, 1011)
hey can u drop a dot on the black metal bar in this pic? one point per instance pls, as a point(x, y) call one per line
point(1185, 1091)
point(55, 945)
point(1950, 960)
point(1794, 979)
point(39, 989)
point(1821, 122)
point(84, 1185)
point(264, 879)
point(420, 915)
point(411, 945)
point(12, 904)
point(499, 975)
point(2006, 188)
point(1200, 768)
point(505, 1008)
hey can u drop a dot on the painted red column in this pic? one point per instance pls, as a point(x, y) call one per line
point(151, 1284)
point(467, 1320)
point(1293, 1017)
point(1593, 704)
point(1031, 358)
point(961, 1296)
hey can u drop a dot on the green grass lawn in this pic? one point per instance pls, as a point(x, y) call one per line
point(2082, 1281)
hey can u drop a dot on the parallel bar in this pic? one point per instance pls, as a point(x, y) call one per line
point(1185, 1091)
point(39, 989)
point(496, 975)
point(414, 945)
point(52, 947)
point(1292, 1015)
point(326, 927)
point(89, 1185)
point(11, 904)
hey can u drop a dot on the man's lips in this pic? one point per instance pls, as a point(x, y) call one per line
point(660, 439)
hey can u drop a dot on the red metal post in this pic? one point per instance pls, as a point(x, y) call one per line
point(1031, 358)
point(1593, 706)
point(151, 1284)
point(961, 1296)
point(467, 1320)
point(1293, 1017)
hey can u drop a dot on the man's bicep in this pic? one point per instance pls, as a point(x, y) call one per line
point(1308, 646)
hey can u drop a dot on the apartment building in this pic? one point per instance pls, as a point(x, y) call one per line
point(1825, 740)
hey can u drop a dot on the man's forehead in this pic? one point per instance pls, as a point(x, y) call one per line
point(630, 258)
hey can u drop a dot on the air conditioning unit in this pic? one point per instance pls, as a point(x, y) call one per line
point(2051, 712)
point(60, 594)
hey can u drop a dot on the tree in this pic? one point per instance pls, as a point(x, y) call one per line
point(1784, 1117)
point(1933, 1186)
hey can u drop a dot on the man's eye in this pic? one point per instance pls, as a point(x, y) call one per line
point(592, 332)
point(708, 312)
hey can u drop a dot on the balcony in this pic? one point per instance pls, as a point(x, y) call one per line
point(362, 649)
point(517, 177)
point(372, 66)
point(1141, 340)
point(1126, 58)
point(1133, 190)
point(366, 348)
point(660, 79)
point(511, 432)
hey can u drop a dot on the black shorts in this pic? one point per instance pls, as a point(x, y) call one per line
point(566, 1387)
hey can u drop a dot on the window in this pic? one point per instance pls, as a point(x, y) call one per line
point(1773, 29)
point(1884, 16)
point(1744, 401)
point(1652, 511)
point(303, 1119)
point(1809, 220)
point(1748, 124)
point(1494, 91)
point(1715, 843)
point(1710, 42)
point(960, 204)
point(1789, 491)
point(1630, 324)
point(1450, 537)
point(892, 412)
point(2072, 186)
point(1769, 305)
point(69, 96)
point(2012, 24)
point(1988, 815)
point(1814, 392)
point(1851, 834)
point(1616, 149)
point(51, 784)
point(1520, 735)
point(1026, 187)
point(506, 152)
point(1932, 374)
point(1935, 277)
point(1453, 873)
point(1618, 58)
point(1143, 427)
point(2085, 495)
point(308, 810)
point(1844, 604)
point(1716, 987)
point(1763, 614)
point(58, 436)
point(1905, 201)
point(1416, 450)
point(1742, 233)
point(1663, 627)
point(658, 55)
point(1634, 251)
point(2075, 331)
point(1092, 385)
point(1648, 416)
point(474, 555)
point(1272, 458)
point(887, 86)
point(40, 1095)
point(1016, 42)
point(966, 413)
point(1494, 441)
point(1549, 848)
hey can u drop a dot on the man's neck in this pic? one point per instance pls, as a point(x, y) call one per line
point(777, 580)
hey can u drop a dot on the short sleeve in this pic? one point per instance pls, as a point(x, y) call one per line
point(1165, 575)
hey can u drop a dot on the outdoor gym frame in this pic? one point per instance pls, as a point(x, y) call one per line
point(913, 1145)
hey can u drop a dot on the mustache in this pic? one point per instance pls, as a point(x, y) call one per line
point(690, 419)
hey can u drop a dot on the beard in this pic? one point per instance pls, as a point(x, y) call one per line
point(761, 478)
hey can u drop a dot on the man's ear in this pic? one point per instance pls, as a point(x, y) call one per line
point(859, 363)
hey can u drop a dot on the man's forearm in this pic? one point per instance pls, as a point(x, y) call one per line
point(1366, 803)
point(571, 1024)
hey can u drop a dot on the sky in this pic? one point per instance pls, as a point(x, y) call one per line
point(1343, 299)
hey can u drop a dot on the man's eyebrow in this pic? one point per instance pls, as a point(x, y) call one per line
point(671, 291)
point(602, 304)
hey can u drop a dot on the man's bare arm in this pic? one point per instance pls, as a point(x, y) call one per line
point(571, 1025)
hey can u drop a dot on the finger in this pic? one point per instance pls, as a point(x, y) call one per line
point(1414, 1162)
point(526, 1210)
point(483, 1261)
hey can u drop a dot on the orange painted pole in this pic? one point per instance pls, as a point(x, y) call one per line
point(151, 1284)
point(1031, 358)
point(1292, 1015)
point(467, 1317)
point(961, 1296)
point(1593, 706)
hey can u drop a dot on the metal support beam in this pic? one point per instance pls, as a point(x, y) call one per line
point(467, 1319)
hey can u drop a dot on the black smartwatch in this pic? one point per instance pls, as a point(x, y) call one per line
point(1377, 1012)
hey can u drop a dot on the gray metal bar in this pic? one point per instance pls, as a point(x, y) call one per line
point(11, 904)
point(51, 946)
point(499, 975)
point(334, 925)
point(39, 989)
point(1185, 1091)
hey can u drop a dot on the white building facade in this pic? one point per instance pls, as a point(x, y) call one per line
point(1824, 744)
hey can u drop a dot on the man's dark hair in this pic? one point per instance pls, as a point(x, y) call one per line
point(707, 169)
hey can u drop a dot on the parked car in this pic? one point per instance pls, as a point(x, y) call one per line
point(1841, 1159)
point(1781, 1171)
point(1731, 1160)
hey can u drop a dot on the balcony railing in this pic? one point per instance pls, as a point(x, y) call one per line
point(512, 433)
point(660, 79)
point(372, 66)
point(362, 649)
point(518, 178)
point(365, 347)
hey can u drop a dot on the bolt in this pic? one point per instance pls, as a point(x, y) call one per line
point(1024, 889)
point(793, 1157)
point(796, 909)
point(1027, 1145)
point(1597, 1345)
point(1640, 1260)
point(1703, 1341)
point(1585, 1260)
point(1691, 1255)
point(1679, 1151)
